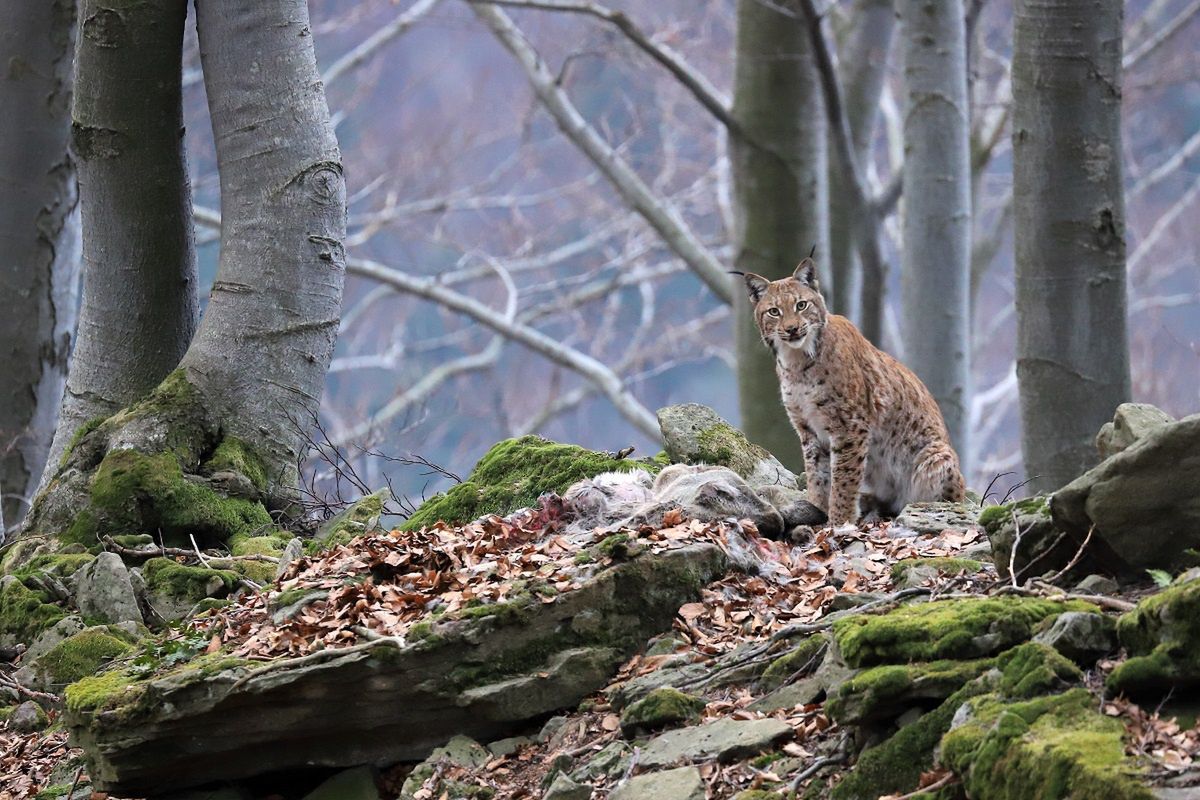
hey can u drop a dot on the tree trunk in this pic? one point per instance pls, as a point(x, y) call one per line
point(267, 336)
point(39, 238)
point(1072, 347)
point(935, 296)
point(862, 66)
point(139, 284)
point(781, 197)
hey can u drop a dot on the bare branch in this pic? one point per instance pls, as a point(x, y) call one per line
point(1145, 246)
point(705, 93)
point(1162, 36)
point(373, 43)
point(1168, 167)
point(663, 218)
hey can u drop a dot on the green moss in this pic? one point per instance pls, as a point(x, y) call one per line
point(81, 655)
point(133, 491)
point(268, 544)
point(513, 474)
point(423, 632)
point(77, 437)
point(995, 517)
point(98, 692)
point(134, 540)
point(507, 612)
point(949, 566)
point(663, 707)
point(190, 583)
point(804, 656)
point(882, 693)
point(60, 565)
point(617, 547)
point(234, 455)
point(24, 612)
point(1049, 747)
point(726, 446)
point(84, 529)
point(969, 628)
point(1162, 636)
point(1032, 669)
point(584, 557)
point(177, 406)
point(756, 794)
point(53, 792)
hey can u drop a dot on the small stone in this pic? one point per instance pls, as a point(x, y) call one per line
point(292, 551)
point(27, 718)
point(726, 740)
point(551, 728)
point(506, 747)
point(60, 631)
point(802, 692)
point(909, 717)
point(104, 590)
point(1131, 422)
point(609, 762)
point(1097, 584)
point(683, 783)
point(463, 751)
point(563, 788)
point(663, 707)
point(351, 784)
point(1081, 636)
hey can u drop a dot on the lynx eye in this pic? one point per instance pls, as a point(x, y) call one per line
point(774, 312)
point(803, 304)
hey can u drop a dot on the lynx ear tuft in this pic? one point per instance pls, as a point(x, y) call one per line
point(756, 286)
point(806, 273)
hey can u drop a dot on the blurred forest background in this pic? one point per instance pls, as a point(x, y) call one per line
point(498, 284)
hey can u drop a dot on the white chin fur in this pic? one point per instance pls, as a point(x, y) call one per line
point(807, 345)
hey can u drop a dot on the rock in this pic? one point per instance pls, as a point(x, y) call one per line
point(564, 788)
point(683, 783)
point(1043, 547)
point(800, 693)
point(27, 718)
point(695, 434)
point(352, 784)
point(682, 669)
point(803, 659)
point(65, 628)
point(460, 750)
point(292, 551)
point(881, 694)
point(1163, 640)
point(1143, 502)
point(937, 517)
point(361, 516)
point(661, 708)
point(508, 746)
point(484, 675)
point(1084, 638)
point(78, 656)
point(844, 601)
point(173, 589)
point(1097, 584)
point(104, 592)
point(551, 729)
point(609, 762)
point(913, 572)
point(1131, 423)
point(725, 740)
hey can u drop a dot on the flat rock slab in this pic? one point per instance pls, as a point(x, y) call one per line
point(683, 783)
point(380, 703)
point(725, 740)
point(937, 517)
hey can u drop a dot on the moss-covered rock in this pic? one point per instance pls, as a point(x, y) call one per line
point(513, 474)
point(60, 565)
point(958, 629)
point(1051, 747)
point(663, 707)
point(800, 660)
point(882, 693)
point(193, 584)
point(1162, 636)
point(82, 655)
point(234, 455)
point(1032, 669)
point(25, 612)
point(943, 564)
point(362, 516)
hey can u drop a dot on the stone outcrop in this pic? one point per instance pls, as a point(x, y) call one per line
point(695, 434)
point(1132, 422)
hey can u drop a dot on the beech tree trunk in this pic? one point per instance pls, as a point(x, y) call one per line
point(1069, 225)
point(862, 66)
point(936, 277)
point(39, 238)
point(780, 192)
point(139, 305)
point(267, 337)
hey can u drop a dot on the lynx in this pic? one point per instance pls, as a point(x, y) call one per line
point(865, 421)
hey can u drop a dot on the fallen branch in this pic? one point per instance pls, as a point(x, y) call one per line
point(1074, 559)
point(839, 756)
point(41, 697)
point(177, 552)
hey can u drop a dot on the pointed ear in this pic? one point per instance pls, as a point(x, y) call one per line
point(756, 286)
point(806, 273)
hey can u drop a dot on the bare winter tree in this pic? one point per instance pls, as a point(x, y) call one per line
point(225, 423)
point(39, 238)
point(1072, 346)
point(936, 276)
point(781, 208)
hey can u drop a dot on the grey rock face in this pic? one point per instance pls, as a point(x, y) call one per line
point(683, 783)
point(104, 591)
point(1132, 422)
point(27, 718)
point(1081, 637)
point(484, 677)
point(1097, 584)
point(564, 788)
point(291, 552)
point(1144, 502)
point(695, 434)
point(937, 517)
point(724, 740)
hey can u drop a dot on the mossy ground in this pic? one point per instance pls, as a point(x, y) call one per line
point(234, 455)
point(513, 474)
point(803, 658)
point(189, 583)
point(968, 628)
point(84, 654)
point(1162, 636)
point(949, 566)
point(663, 707)
point(881, 693)
point(25, 612)
point(995, 517)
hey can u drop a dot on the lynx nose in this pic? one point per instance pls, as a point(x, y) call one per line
point(792, 329)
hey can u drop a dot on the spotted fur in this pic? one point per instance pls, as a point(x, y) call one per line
point(865, 421)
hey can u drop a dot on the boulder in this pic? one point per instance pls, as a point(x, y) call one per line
point(695, 434)
point(361, 516)
point(1131, 422)
point(683, 783)
point(1162, 636)
point(1097, 584)
point(725, 740)
point(488, 674)
point(104, 591)
point(1041, 547)
point(1143, 502)
point(663, 707)
point(1083, 638)
point(27, 718)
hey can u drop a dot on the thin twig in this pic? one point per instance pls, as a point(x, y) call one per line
point(1074, 559)
point(945, 780)
point(1012, 554)
point(74, 783)
point(839, 756)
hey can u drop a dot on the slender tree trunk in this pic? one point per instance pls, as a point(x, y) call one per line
point(139, 277)
point(936, 273)
point(39, 238)
point(1072, 346)
point(781, 197)
point(862, 67)
point(267, 336)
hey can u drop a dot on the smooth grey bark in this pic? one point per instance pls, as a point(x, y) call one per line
point(1069, 224)
point(268, 333)
point(780, 194)
point(862, 66)
point(139, 304)
point(39, 238)
point(936, 271)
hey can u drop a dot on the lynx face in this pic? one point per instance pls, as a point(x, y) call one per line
point(790, 312)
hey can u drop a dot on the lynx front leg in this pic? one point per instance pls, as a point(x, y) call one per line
point(849, 455)
point(816, 468)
